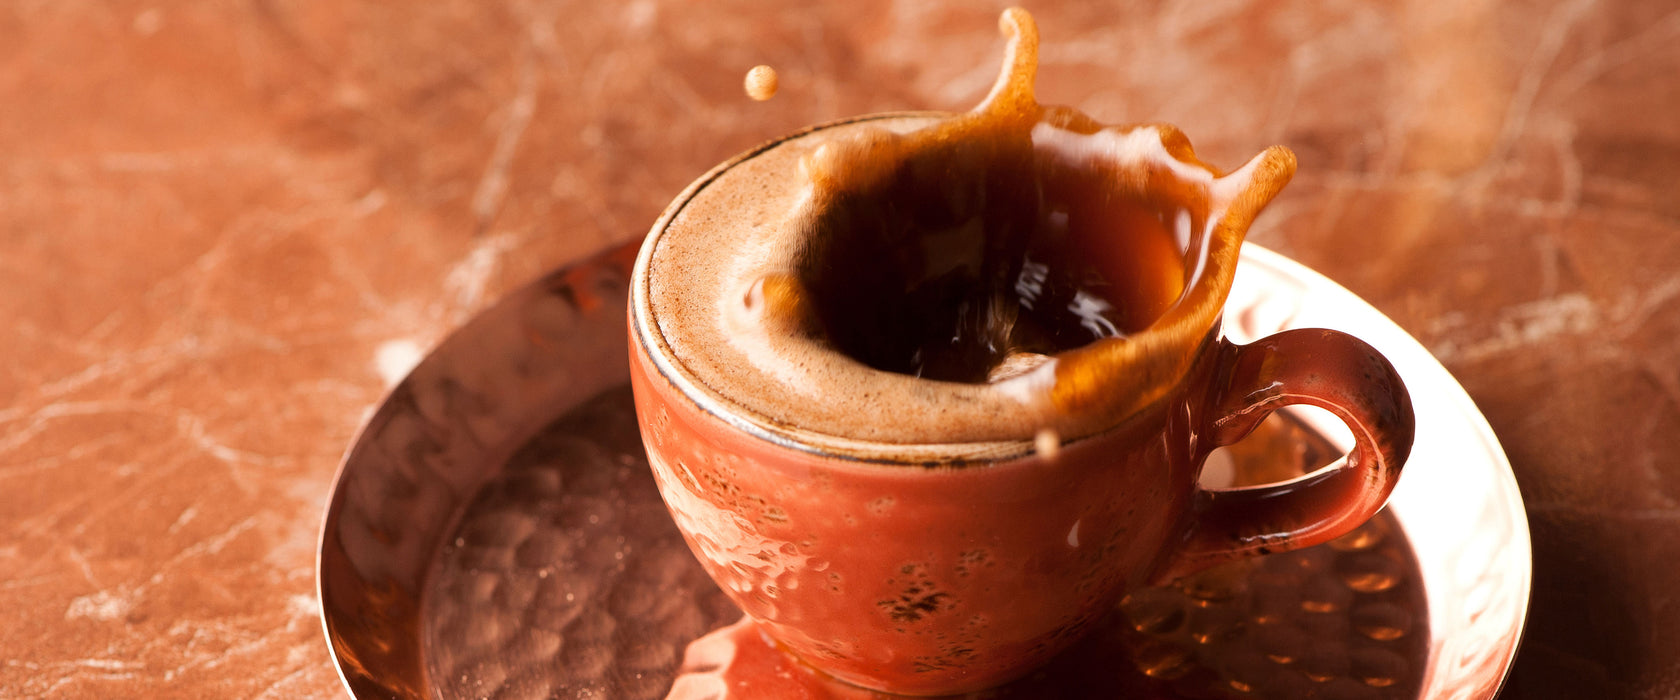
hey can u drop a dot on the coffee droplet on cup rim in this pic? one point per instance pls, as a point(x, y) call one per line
point(761, 83)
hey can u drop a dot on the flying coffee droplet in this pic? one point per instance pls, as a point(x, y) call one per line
point(1048, 443)
point(761, 83)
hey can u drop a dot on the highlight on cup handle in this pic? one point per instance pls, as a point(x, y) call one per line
point(1315, 367)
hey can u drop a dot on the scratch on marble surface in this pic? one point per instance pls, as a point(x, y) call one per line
point(676, 90)
point(55, 459)
point(116, 602)
point(493, 186)
point(1637, 307)
point(1569, 169)
point(192, 427)
point(277, 689)
point(212, 644)
point(354, 273)
point(68, 672)
point(210, 545)
point(1654, 37)
point(31, 581)
point(99, 605)
point(469, 278)
point(600, 72)
point(107, 664)
point(1665, 376)
point(1280, 113)
point(86, 568)
point(1563, 315)
point(1575, 510)
point(1524, 325)
point(91, 505)
point(187, 515)
point(1551, 264)
point(1558, 27)
point(40, 418)
point(132, 366)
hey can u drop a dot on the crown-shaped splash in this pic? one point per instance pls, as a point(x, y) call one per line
point(1074, 390)
point(852, 264)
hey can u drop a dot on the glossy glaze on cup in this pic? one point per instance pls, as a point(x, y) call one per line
point(942, 579)
point(962, 554)
point(910, 579)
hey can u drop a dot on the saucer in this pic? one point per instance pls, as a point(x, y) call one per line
point(494, 532)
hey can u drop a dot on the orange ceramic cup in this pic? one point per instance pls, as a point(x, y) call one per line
point(929, 567)
point(938, 580)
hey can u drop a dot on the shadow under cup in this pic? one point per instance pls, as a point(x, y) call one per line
point(933, 569)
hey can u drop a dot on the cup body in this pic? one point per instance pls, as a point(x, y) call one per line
point(922, 579)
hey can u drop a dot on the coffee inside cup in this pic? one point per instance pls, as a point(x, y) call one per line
point(938, 279)
point(981, 270)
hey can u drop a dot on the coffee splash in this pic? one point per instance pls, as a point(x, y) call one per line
point(1047, 270)
point(1014, 239)
point(958, 253)
point(761, 83)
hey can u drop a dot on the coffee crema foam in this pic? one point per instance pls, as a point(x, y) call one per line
point(1042, 270)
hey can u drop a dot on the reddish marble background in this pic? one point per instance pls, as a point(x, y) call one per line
point(225, 226)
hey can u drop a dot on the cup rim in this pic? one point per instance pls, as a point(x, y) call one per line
point(648, 341)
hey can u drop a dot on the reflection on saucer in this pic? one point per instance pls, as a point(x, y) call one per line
point(450, 570)
point(565, 575)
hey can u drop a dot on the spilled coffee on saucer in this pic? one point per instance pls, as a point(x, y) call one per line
point(977, 277)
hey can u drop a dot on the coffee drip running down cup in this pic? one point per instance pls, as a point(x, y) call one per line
point(927, 394)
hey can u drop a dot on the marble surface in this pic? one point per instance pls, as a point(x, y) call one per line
point(226, 227)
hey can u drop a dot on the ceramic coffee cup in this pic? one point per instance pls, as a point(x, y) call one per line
point(923, 536)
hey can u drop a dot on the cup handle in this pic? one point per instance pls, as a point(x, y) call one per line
point(1316, 367)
